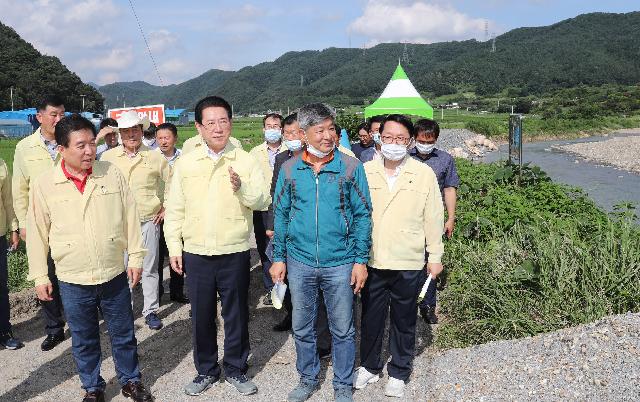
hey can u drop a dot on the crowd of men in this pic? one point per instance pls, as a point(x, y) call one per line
point(336, 226)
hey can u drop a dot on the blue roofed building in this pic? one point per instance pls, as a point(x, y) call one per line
point(179, 117)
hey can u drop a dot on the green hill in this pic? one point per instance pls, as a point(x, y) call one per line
point(33, 75)
point(591, 49)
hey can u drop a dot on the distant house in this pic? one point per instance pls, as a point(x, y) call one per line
point(15, 128)
point(179, 117)
point(192, 117)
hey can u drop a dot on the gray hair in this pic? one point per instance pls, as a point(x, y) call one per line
point(314, 114)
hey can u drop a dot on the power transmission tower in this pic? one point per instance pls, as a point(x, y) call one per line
point(486, 30)
point(405, 56)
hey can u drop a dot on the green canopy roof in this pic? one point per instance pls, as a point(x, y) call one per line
point(401, 97)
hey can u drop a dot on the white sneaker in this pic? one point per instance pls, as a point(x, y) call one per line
point(394, 388)
point(364, 377)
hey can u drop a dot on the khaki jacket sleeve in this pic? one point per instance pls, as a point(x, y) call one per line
point(174, 214)
point(165, 175)
point(7, 201)
point(434, 222)
point(20, 189)
point(253, 193)
point(38, 224)
point(133, 232)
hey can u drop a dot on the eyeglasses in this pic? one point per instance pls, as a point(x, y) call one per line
point(397, 140)
point(212, 124)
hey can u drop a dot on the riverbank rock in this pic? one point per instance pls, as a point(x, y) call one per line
point(621, 152)
point(462, 143)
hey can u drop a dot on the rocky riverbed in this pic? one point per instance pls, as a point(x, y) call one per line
point(622, 152)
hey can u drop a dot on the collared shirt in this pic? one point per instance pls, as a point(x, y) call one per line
point(358, 148)
point(172, 159)
point(196, 141)
point(204, 215)
point(443, 166)
point(80, 183)
point(213, 154)
point(147, 173)
point(272, 155)
point(51, 145)
point(391, 180)
point(87, 233)
point(31, 158)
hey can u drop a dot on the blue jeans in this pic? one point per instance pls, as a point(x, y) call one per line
point(81, 307)
point(304, 283)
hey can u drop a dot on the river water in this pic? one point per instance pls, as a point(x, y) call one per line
point(606, 185)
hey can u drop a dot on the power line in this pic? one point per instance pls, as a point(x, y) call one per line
point(155, 66)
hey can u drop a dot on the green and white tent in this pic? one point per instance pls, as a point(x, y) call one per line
point(400, 97)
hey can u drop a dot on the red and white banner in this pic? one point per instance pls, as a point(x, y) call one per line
point(155, 113)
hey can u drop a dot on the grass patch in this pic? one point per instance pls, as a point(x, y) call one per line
point(533, 258)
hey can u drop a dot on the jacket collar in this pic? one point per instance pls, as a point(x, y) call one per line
point(229, 151)
point(335, 165)
point(142, 151)
point(99, 170)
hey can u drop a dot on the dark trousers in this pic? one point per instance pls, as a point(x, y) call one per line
point(227, 275)
point(398, 290)
point(176, 280)
point(259, 229)
point(81, 304)
point(52, 310)
point(5, 325)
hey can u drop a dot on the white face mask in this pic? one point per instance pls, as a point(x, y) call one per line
point(272, 135)
point(425, 148)
point(316, 152)
point(393, 152)
point(293, 145)
point(376, 138)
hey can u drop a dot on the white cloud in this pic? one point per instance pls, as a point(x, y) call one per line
point(161, 40)
point(415, 21)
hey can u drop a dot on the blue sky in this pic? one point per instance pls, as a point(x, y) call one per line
point(101, 42)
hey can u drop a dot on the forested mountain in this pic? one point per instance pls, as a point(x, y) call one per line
point(33, 75)
point(591, 49)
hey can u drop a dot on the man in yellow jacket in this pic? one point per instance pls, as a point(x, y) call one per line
point(147, 173)
point(214, 191)
point(84, 212)
point(8, 223)
point(265, 153)
point(407, 215)
point(35, 154)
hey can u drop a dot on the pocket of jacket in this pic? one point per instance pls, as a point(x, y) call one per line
point(65, 252)
point(236, 230)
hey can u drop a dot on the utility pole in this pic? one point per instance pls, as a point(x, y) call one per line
point(83, 96)
point(11, 89)
point(441, 113)
point(301, 80)
point(493, 43)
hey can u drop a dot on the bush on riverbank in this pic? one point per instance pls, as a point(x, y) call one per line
point(533, 258)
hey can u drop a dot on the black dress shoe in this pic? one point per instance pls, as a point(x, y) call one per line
point(93, 396)
point(51, 341)
point(137, 392)
point(179, 299)
point(284, 325)
point(429, 314)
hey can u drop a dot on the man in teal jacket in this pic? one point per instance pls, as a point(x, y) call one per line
point(322, 214)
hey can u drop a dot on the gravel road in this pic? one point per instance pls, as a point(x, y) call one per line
point(596, 362)
point(620, 151)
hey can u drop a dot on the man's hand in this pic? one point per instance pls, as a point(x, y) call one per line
point(176, 264)
point(270, 233)
point(448, 227)
point(15, 239)
point(23, 234)
point(134, 275)
point(434, 268)
point(358, 277)
point(159, 217)
point(45, 291)
point(103, 133)
point(235, 180)
point(278, 271)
